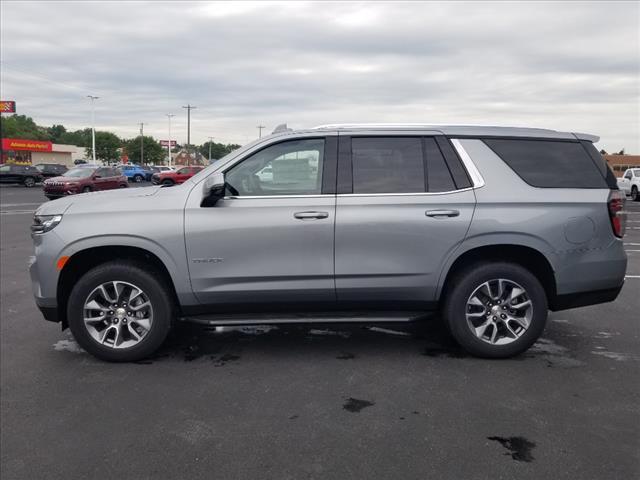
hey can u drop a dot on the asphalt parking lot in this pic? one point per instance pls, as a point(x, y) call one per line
point(335, 402)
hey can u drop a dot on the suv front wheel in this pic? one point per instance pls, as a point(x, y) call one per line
point(495, 310)
point(120, 312)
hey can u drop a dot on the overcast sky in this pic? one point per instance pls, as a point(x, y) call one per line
point(567, 66)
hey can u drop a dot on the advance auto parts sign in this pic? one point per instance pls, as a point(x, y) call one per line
point(30, 145)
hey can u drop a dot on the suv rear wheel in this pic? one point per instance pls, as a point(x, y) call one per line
point(635, 196)
point(29, 182)
point(120, 312)
point(137, 178)
point(496, 310)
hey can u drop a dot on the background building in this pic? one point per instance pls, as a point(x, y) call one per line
point(619, 163)
point(32, 152)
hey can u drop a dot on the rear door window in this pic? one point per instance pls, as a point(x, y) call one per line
point(439, 177)
point(549, 164)
point(387, 165)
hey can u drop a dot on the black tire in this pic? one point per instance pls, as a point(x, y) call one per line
point(168, 183)
point(138, 178)
point(86, 189)
point(463, 285)
point(635, 195)
point(145, 278)
point(123, 185)
point(29, 182)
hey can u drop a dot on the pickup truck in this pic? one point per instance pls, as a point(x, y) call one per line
point(629, 183)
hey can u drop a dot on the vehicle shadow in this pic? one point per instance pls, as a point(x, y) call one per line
point(191, 342)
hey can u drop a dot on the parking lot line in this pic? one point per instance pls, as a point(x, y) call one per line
point(15, 212)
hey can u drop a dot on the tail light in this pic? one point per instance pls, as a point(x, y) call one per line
point(616, 212)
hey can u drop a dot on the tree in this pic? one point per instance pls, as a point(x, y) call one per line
point(218, 150)
point(603, 152)
point(80, 138)
point(153, 151)
point(621, 152)
point(56, 133)
point(21, 126)
point(107, 145)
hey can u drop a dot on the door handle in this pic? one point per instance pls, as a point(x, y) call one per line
point(310, 215)
point(442, 213)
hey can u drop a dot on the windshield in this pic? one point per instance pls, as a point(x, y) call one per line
point(79, 172)
point(636, 172)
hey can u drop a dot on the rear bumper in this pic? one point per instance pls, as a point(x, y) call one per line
point(583, 299)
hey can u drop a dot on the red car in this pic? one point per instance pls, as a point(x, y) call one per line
point(84, 179)
point(181, 175)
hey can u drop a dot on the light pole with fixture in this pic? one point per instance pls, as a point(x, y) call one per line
point(93, 127)
point(210, 142)
point(169, 115)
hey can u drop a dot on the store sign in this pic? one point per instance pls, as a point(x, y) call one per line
point(165, 143)
point(30, 145)
point(7, 106)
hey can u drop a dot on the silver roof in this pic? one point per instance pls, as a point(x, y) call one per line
point(462, 130)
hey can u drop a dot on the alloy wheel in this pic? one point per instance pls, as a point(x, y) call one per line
point(499, 311)
point(118, 314)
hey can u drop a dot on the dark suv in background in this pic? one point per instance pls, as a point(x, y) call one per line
point(26, 175)
point(48, 170)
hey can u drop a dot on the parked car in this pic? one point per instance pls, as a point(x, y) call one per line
point(26, 175)
point(162, 168)
point(629, 183)
point(136, 173)
point(83, 180)
point(179, 176)
point(489, 226)
point(48, 170)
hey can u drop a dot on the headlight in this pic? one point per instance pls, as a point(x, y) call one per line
point(44, 223)
point(71, 184)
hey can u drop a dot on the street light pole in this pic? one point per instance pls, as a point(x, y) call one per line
point(169, 115)
point(210, 142)
point(93, 127)
point(260, 127)
point(189, 108)
point(141, 143)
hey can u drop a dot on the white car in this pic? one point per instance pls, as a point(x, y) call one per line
point(629, 183)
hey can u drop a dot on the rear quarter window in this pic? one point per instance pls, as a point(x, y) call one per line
point(549, 164)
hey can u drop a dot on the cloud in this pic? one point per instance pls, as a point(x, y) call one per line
point(569, 66)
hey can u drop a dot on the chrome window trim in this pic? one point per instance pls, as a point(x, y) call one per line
point(254, 197)
point(416, 194)
point(474, 173)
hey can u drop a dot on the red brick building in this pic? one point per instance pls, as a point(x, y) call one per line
point(619, 163)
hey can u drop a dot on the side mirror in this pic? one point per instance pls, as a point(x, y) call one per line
point(95, 177)
point(214, 187)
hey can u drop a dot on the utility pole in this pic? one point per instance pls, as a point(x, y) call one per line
point(189, 108)
point(210, 142)
point(169, 115)
point(260, 127)
point(141, 143)
point(93, 126)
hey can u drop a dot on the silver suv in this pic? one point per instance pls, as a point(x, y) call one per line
point(490, 226)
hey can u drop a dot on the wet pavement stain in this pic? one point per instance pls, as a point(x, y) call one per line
point(440, 351)
point(227, 357)
point(354, 405)
point(346, 356)
point(519, 447)
point(293, 417)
